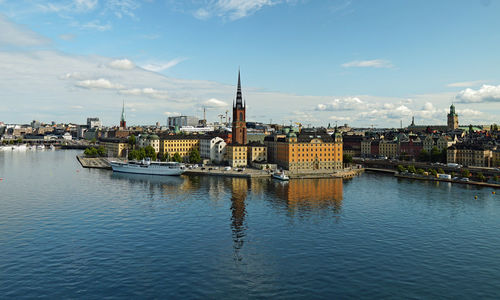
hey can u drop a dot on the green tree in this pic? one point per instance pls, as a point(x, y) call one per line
point(433, 172)
point(453, 174)
point(347, 159)
point(401, 168)
point(420, 171)
point(496, 178)
point(194, 156)
point(441, 171)
point(424, 155)
point(91, 152)
point(465, 173)
point(412, 169)
point(435, 155)
point(93, 141)
point(101, 151)
point(131, 141)
point(177, 157)
point(149, 151)
point(132, 155)
point(481, 176)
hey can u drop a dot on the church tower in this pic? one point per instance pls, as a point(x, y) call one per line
point(123, 123)
point(239, 126)
point(452, 119)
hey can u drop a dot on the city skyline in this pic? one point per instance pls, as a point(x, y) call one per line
point(340, 61)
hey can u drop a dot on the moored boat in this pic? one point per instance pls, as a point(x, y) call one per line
point(148, 167)
point(281, 176)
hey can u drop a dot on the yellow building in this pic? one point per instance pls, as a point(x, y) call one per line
point(236, 155)
point(496, 158)
point(182, 144)
point(257, 152)
point(470, 155)
point(115, 147)
point(388, 148)
point(310, 150)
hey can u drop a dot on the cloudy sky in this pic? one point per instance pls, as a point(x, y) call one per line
point(359, 62)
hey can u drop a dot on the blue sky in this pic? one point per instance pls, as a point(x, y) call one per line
point(318, 62)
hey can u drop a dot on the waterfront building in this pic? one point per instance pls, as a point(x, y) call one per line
point(410, 146)
point(271, 141)
point(95, 122)
point(452, 119)
point(192, 129)
point(236, 155)
point(366, 147)
point(152, 140)
point(352, 144)
point(310, 150)
point(115, 147)
point(496, 158)
point(182, 144)
point(239, 128)
point(389, 148)
point(182, 121)
point(212, 148)
point(470, 155)
point(257, 153)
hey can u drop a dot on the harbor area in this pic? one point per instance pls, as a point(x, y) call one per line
point(104, 163)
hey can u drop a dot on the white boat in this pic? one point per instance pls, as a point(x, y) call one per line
point(22, 147)
point(40, 147)
point(148, 167)
point(281, 176)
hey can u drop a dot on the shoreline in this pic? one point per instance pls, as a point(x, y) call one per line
point(476, 183)
point(103, 163)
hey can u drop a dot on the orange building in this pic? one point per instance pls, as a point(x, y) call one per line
point(310, 150)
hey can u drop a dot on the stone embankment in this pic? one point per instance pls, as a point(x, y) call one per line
point(427, 178)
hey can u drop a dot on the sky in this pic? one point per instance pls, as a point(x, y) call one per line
point(361, 62)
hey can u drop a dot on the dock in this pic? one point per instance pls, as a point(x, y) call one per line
point(95, 162)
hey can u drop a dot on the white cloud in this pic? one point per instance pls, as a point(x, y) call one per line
point(168, 113)
point(16, 35)
point(340, 119)
point(214, 103)
point(122, 64)
point(96, 25)
point(158, 67)
point(466, 83)
point(85, 4)
point(147, 92)
point(232, 9)
point(67, 37)
point(76, 107)
point(349, 103)
point(375, 63)
point(487, 93)
point(100, 83)
point(76, 6)
point(122, 7)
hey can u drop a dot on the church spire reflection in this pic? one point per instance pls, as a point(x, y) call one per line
point(239, 188)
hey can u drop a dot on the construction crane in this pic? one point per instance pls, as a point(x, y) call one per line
point(221, 116)
point(226, 116)
point(373, 125)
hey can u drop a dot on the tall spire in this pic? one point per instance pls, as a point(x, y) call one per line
point(239, 98)
point(123, 112)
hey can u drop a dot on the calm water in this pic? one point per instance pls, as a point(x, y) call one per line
point(69, 232)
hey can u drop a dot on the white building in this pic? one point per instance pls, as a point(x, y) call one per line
point(212, 148)
point(149, 140)
point(93, 122)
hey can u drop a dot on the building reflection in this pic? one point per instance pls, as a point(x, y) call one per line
point(239, 190)
point(311, 194)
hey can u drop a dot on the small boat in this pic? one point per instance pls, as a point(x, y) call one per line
point(148, 167)
point(52, 147)
point(22, 147)
point(40, 147)
point(281, 176)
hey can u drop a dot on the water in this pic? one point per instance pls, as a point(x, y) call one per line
point(69, 232)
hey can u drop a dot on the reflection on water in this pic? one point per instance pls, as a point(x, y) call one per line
point(311, 194)
point(239, 188)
